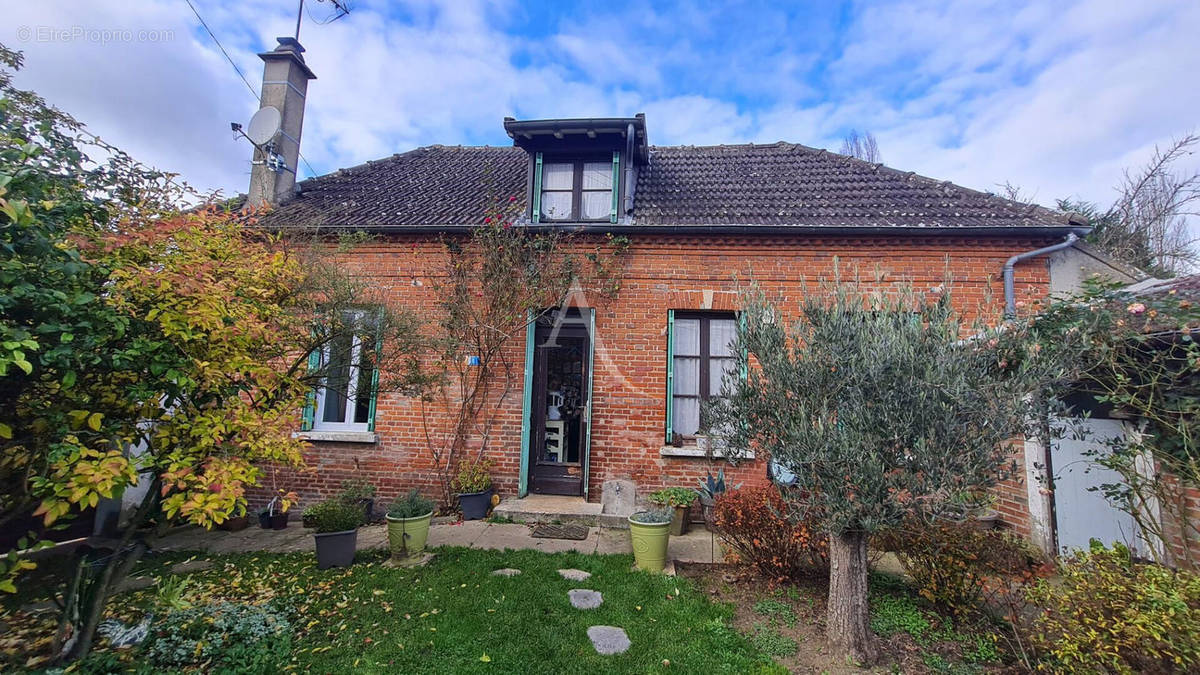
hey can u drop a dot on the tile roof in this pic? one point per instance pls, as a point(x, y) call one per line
point(780, 185)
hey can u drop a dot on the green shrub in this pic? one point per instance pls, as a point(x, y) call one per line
point(335, 515)
point(356, 489)
point(755, 524)
point(410, 505)
point(1109, 614)
point(224, 637)
point(472, 476)
point(656, 516)
point(955, 565)
point(674, 497)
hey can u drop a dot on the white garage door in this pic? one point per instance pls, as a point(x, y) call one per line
point(1083, 514)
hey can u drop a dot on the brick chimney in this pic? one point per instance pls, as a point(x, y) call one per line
point(285, 85)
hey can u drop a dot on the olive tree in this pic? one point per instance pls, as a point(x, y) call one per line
point(885, 406)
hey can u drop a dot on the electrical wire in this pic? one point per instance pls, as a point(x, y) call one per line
point(240, 73)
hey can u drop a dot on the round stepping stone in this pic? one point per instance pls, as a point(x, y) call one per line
point(608, 639)
point(575, 575)
point(191, 566)
point(582, 598)
point(506, 572)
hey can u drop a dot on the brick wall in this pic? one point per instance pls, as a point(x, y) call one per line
point(661, 273)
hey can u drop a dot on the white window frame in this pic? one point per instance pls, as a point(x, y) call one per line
point(347, 423)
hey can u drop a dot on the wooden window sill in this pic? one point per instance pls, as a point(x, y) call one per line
point(696, 451)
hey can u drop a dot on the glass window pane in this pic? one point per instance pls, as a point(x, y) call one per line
point(717, 368)
point(558, 176)
point(597, 205)
point(362, 394)
point(597, 176)
point(687, 337)
point(721, 333)
point(687, 376)
point(337, 379)
point(556, 205)
point(686, 417)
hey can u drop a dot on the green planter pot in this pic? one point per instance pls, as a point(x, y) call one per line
point(407, 536)
point(649, 544)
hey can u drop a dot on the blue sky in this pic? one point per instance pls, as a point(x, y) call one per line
point(1054, 96)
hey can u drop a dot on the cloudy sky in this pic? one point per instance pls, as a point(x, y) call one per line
point(1056, 97)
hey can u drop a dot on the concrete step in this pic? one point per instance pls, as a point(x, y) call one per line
point(550, 508)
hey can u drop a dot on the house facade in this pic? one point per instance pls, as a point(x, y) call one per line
point(609, 388)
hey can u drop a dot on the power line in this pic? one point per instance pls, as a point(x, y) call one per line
point(239, 72)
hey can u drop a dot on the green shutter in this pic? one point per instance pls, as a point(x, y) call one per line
point(310, 400)
point(616, 186)
point(670, 372)
point(375, 380)
point(527, 404)
point(536, 216)
point(586, 455)
point(744, 366)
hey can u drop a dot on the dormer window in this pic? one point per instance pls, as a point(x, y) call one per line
point(582, 170)
point(578, 190)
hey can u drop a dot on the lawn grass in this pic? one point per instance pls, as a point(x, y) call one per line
point(453, 616)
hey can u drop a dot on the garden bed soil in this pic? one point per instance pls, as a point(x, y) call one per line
point(807, 599)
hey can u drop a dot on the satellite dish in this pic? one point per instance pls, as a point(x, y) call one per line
point(264, 125)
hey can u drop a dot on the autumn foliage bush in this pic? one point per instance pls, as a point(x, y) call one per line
point(956, 565)
point(756, 524)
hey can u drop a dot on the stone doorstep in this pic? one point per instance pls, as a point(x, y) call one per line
point(548, 508)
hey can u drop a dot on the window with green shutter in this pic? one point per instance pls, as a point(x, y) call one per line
point(344, 400)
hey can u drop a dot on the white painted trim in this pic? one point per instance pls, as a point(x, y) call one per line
point(1041, 514)
point(338, 436)
point(697, 452)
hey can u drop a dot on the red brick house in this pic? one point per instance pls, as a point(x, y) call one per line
point(639, 363)
point(618, 396)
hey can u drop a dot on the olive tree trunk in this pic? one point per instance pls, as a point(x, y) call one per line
point(847, 623)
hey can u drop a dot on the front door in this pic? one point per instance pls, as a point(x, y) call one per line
point(559, 414)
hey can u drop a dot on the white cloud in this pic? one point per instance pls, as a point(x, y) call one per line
point(1054, 97)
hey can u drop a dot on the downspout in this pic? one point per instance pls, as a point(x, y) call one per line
point(630, 171)
point(1010, 302)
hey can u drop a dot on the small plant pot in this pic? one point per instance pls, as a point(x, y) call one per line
point(279, 521)
point(307, 521)
point(986, 520)
point(336, 549)
point(681, 521)
point(235, 524)
point(649, 544)
point(407, 536)
point(475, 505)
point(264, 520)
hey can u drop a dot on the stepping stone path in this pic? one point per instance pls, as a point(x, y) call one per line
point(608, 639)
point(506, 572)
point(575, 575)
point(582, 598)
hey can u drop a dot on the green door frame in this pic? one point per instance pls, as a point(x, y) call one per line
point(527, 403)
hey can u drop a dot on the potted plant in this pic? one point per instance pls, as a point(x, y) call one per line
point(408, 524)
point(473, 484)
point(274, 515)
point(235, 523)
point(650, 531)
point(336, 522)
point(361, 492)
point(680, 500)
point(710, 488)
point(975, 506)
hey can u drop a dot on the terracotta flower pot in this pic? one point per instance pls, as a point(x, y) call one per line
point(407, 536)
point(649, 544)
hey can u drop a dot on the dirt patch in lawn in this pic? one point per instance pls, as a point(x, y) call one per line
point(788, 622)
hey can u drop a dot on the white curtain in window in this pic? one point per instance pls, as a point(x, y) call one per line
point(721, 333)
point(687, 376)
point(687, 416)
point(597, 205)
point(717, 369)
point(687, 337)
point(556, 205)
point(558, 176)
point(597, 176)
